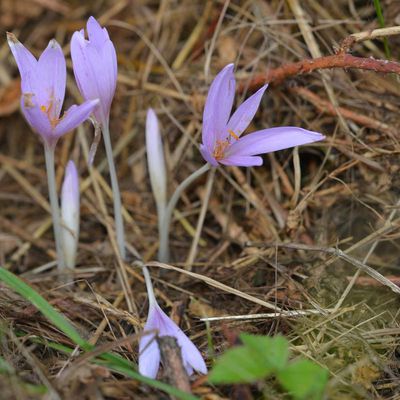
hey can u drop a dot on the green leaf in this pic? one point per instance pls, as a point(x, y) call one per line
point(256, 359)
point(239, 365)
point(273, 351)
point(112, 361)
point(304, 380)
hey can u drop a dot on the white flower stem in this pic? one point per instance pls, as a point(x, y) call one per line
point(149, 287)
point(164, 226)
point(55, 208)
point(119, 225)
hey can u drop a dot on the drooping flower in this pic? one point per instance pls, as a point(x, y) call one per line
point(221, 136)
point(155, 159)
point(149, 352)
point(162, 325)
point(43, 84)
point(95, 67)
point(70, 214)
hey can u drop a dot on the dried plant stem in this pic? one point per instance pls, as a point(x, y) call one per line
point(163, 251)
point(55, 208)
point(119, 225)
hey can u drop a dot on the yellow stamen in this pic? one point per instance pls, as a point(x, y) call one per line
point(233, 134)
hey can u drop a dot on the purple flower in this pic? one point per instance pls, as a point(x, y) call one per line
point(149, 352)
point(70, 214)
point(95, 67)
point(222, 141)
point(43, 89)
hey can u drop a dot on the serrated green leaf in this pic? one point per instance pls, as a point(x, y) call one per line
point(273, 350)
point(304, 380)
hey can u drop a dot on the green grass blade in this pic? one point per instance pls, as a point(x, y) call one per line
point(112, 361)
point(381, 20)
point(43, 306)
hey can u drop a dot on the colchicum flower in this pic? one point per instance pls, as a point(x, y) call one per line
point(70, 214)
point(222, 141)
point(149, 352)
point(43, 84)
point(95, 67)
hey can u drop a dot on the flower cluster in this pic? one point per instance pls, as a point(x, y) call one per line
point(43, 84)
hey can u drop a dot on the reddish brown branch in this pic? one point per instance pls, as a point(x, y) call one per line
point(340, 60)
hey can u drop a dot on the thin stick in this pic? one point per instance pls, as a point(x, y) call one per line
point(55, 208)
point(163, 251)
point(119, 224)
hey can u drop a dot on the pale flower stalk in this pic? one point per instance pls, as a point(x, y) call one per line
point(43, 83)
point(95, 68)
point(158, 321)
point(70, 205)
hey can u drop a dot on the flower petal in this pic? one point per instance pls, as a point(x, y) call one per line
point(207, 156)
point(218, 107)
point(26, 63)
point(97, 35)
point(74, 116)
point(52, 75)
point(95, 73)
point(242, 161)
point(244, 114)
point(36, 118)
point(149, 356)
point(191, 355)
point(155, 159)
point(273, 139)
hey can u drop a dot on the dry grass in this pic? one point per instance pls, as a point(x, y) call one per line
point(339, 193)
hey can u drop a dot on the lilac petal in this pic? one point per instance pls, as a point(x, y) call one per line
point(91, 75)
point(218, 107)
point(97, 35)
point(242, 161)
point(273, 139)
point(26, 63)
point(192, 358)
point(52, 75)
point(109, 56)
point(207, 156)
point(149, 356)
point(74, 116)
point(36, 118)
point(244, 114)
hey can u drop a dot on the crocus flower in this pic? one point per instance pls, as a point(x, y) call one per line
point(70, 214)
point(95, 67)
point(222, 141)
point(158, 321)
point(149, 357)
point(43, 88)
